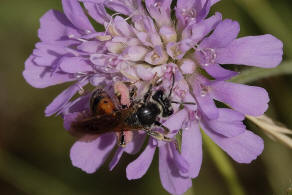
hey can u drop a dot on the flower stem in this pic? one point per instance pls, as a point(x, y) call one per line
point(268, 19)
point(28, 179)
point(224, 166)
point(254, 74)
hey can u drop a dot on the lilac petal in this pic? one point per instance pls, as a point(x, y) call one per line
point(144, 72)
point(91, 47)
point(41, 77)
point(160, 11)
point(53, 26)
point(200, 30)
point(63, 98)
point(229, 115)
point(135, 53)
point(97, 12)
point(116, 158)
point(223, 35)
point(188, 66)
point(89, 156)
point(262, 51)
point(175, 121)
point(136, 144)
point(48, 54)
point(219, 73)
point(74, 65)
point(186, 11)
point(123, 27)
point(242, 148)
point(79, 104)
point(169, 176)
point(229, 123)
point(181, 163)
point(120, 7)
point(75, 14)
point(243, 98)
point(205, 101)
point(227, 129)
point(191, 148)
point(69, 118)
point(139, 167)
point(207, 106)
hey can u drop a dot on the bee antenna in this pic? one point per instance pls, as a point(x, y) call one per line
point(190, 103)
point(171, 85)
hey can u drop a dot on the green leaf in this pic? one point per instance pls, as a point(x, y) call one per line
point(254, 74)
point(29, 179)
point(224, 166)
point(269, 20)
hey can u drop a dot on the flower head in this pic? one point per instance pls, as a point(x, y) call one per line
point(143, 40)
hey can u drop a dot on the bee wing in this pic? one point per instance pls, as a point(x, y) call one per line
point(91, 127)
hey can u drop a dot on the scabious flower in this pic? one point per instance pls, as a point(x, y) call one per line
point(160, 38)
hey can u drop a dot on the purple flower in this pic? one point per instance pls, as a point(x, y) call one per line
point(141, 41)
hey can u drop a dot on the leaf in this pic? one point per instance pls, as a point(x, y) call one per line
point(254, 74)
point(272, 129)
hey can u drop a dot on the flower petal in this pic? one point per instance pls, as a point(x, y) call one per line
point(262, 51)
point(74, 65)
point(89, 156)
point(204, 100)
point(229, 123)
point(171, 180)
point(75, 14)
point(41, 77)
point(63, 98)
point(191, 148)
point(223, 35)
point(175, 121)
point(181, 163)
point(219, 73)
point(243, 98)
point(53, 26)
point(69, 118)
point(139, 167)
point(243, 148)
point(136, 144)
point(116, 158)
point(97, 12)
point(200, 30)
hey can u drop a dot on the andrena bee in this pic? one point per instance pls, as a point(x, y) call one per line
point(139, 114)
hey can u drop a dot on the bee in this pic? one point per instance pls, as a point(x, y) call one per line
point(136, 114)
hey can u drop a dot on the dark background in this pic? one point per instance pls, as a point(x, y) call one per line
point(34, 150)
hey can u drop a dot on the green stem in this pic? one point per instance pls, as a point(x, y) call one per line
point(224, 166)
point(254, 74)
point(268, 19)
point(28, 179)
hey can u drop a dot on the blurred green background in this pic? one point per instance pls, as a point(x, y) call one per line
point(34, 150)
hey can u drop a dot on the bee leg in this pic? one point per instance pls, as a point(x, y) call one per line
point(148, 94)
point(158, 136)
point(122, 139)
point(133, 93)
point(166, 130)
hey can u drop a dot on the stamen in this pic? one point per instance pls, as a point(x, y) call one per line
point(197, 115)
point(154, 57)
point(157, 4)
point(88, 31)
point(189, 14)
point(204, 91)
point(112, 19)
point(210, 56)
point(72, 36)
